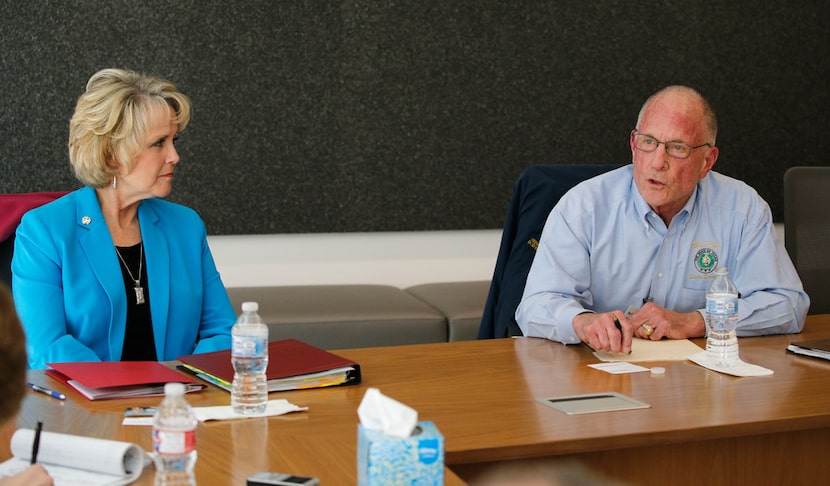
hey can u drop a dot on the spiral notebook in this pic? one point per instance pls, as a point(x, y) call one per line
point(74, 459)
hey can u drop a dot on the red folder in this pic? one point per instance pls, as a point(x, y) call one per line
point(292, 365)
point(119, 379)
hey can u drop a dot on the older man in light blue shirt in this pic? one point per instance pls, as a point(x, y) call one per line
point(639, 245)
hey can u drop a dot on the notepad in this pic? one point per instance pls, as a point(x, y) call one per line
point(643, 350)
point(119, 379)
point(292, 365)
point(74, 459)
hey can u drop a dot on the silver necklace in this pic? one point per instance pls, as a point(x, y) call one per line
point(139, 290)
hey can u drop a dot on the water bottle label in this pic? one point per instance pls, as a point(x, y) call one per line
point(174, 441)
point(249, 347)
point(722, 306)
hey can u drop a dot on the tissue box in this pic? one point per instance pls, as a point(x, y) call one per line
point(415, 460)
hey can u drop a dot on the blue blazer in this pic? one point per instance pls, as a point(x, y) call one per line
point(535, 193)
point(69, 291)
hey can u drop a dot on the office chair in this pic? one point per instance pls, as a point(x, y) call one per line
point(535, 193)
point(12, 208)
point(807, 231)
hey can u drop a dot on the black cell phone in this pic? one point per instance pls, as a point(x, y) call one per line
point(280, 479)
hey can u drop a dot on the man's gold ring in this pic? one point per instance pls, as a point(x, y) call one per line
point(647, 330)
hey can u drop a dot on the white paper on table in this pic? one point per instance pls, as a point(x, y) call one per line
point(740, 369)
point(225, 412)
point(143, 421)
point(618, 367)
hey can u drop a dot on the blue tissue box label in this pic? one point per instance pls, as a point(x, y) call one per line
point(413, 461)
point(429, 451)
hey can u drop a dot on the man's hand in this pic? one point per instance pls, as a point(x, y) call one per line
point(610, 332)
point(655, 323)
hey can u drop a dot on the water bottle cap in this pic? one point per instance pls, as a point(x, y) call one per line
point(250, 306)
point(174, 389)
point(721, 271)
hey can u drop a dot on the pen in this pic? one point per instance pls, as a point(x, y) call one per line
point(618, 325)
point(36, 443)
point(46, 391)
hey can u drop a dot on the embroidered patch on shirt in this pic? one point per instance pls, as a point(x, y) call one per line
point(706, 260)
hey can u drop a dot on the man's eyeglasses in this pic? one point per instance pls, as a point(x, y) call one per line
point(677, 150)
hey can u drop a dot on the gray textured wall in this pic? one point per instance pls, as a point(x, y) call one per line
point(380, 115)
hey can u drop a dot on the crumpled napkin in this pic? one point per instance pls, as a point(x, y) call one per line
point(225, 412)
point(393, 418)
point(741, 369)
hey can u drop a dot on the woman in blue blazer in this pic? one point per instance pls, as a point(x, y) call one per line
point(112, 272)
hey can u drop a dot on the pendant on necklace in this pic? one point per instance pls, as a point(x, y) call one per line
point(139, 292)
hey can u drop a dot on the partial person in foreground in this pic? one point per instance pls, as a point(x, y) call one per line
point(632, 252)
point(111, 272)
point(13, 388)
point(543, 473)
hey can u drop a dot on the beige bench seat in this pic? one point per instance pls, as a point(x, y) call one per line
point(461, 302)
point(345, 316)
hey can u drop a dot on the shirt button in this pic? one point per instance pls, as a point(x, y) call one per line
point(660, 275)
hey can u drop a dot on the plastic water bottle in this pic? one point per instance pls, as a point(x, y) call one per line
point(722, 321)
point(249, 393)
point(174, 439)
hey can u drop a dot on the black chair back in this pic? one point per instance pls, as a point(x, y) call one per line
point(807, 231)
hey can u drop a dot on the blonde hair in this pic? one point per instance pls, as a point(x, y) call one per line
point(13, 359)
point(111, 122)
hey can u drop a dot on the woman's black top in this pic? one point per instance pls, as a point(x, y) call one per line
point(139, 344)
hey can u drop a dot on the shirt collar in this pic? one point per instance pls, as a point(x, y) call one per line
point(645, 212)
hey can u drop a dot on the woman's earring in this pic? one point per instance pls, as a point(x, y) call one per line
point(114, 182)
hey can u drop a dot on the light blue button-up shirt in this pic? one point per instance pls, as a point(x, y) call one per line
point(603, 248)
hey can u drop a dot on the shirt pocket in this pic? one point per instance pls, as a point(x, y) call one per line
point(691, 299)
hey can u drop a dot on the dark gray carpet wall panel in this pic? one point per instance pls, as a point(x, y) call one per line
point(323, 116)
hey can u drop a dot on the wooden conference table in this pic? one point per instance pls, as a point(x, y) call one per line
point(702, 426)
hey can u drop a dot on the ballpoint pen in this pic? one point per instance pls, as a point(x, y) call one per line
point(46, 391)
point(618, 325)
point(36, 442)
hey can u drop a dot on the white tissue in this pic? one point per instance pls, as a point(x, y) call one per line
point(740, 369)
point(225, 412)
point(393, 418)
